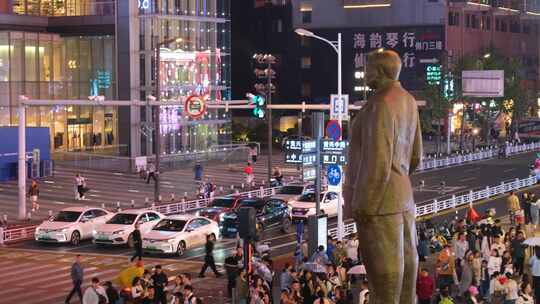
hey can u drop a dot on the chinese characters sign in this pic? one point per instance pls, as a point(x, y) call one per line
point(413, 44)
point(433, 74)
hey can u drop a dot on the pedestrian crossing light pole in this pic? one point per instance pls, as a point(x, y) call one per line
point(336, 46)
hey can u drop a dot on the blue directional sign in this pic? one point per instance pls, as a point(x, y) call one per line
point(333, 174)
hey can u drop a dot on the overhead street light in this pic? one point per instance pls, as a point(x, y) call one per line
point(487, 55)
point(304, 32)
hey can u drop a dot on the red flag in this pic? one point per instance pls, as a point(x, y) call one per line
point(472, 215)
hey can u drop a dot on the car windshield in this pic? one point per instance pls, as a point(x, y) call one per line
point(123, 219)
point(257, 204)
point(296, 190)
point(223, 202)
point(309, 197)
point(66, 216)
point(170, 225)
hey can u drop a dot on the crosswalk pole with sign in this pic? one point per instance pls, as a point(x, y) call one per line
point(340, 225)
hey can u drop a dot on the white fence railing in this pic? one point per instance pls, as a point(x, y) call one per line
point(460, 159)
point(16, 234)
point(435, 206)
point(187, 206)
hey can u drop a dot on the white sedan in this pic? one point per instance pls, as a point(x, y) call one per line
point(302, 208)
point(119, 229)
point(176, 233)
point(71, 225)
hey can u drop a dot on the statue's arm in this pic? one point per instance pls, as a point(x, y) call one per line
point(416, 157)
point(377, 161)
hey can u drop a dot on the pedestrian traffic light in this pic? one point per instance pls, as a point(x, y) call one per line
point(258, 102)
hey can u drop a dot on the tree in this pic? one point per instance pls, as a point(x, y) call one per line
point(437, 106)
point(493, 60)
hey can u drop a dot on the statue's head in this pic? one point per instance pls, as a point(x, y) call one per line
point(382, 67)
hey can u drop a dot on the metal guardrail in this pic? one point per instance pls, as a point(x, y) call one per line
point(16, 234)
point(480, 155)
point(193, 205)
point(435, 206)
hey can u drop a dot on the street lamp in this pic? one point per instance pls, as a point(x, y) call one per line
point(336, 45)
point(487, 55)
point(157, 138)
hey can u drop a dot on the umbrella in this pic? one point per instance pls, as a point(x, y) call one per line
point(532, 241)
point(315, 267)
point(358, 269)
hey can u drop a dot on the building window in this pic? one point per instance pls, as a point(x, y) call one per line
point(497, 25)
point(474, 22)
point(453, 18)
point(526, 29)
point(515, 27)
point(468, 23)
point(305, 62)
point(504, 27)
point(488, 23)
point(306, 16)
point(279, 26)
point(305, 41)
point(305, 90)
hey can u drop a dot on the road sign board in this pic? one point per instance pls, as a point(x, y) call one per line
point(333, 129)
point(309, 146)
point(334, 152)
point(309, 159)
point(293, 157)
point(338, 106)
point(333, 174)
point(308, 173)
point(485, 83)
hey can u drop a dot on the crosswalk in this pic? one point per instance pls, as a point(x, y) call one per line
point(39, 277)
point(111, 188)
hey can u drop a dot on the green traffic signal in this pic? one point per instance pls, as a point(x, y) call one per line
point(258, 101)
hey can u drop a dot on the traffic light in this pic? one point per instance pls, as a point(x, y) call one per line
point(258, 101)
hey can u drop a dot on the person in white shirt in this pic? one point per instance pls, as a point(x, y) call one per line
point(525, 294)
point(137, 290)
point(80, 183)
point(511, 289)
point(363, 293)
point(494, 262)
point(189, 297)
point(93, 293)
point(534, 262)
point(352, 249)
point(498, 244)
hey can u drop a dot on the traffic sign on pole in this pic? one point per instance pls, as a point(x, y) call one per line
point(333, 130)
point(333, 174)
point(339, 107)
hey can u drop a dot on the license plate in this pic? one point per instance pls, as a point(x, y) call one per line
point(298, 213)
point(151, 247)
point(102, 237)
point(44, 237)
point(231, 229)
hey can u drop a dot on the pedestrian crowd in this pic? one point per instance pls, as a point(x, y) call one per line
point(482, 262)
point(134, 285)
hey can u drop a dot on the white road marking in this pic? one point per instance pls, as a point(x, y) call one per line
point(118, 173)
point(94, 195)
point(48, 182)
point(60, 203)
point(509, 170)
point(467, 179)
point(134, 191)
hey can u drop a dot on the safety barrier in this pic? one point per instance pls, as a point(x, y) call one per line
point(435, 206)
point(460, 159)
point(193, 205)
point(16, 234)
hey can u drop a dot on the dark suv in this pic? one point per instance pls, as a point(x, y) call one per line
point(269, 212)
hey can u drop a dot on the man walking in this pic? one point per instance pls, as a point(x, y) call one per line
point(233, 269)
point(33, 192)
point(160, 283)
point(77, 273)
point(151, 173)
point(513, 206)
point(137, 243)
point(209, 258)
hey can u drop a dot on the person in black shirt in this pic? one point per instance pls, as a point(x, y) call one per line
point(232, 268)
point(137, 243)
point(160, 282)
point(209, 257)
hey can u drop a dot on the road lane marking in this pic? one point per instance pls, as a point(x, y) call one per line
point(60, 203)
point(467, 179)
point(48, 182)
point(510, 170)
point(133, 191)
point(472, 169)
point(118, 173)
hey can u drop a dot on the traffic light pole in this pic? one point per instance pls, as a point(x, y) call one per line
point(269, 99)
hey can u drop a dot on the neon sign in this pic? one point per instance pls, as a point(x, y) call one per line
point(144, 4)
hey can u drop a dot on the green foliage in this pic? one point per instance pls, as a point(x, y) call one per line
point(436, 107)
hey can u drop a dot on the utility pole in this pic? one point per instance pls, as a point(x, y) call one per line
point(269, 98)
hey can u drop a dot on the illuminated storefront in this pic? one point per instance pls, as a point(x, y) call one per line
point(197, 63)
point(47, 66)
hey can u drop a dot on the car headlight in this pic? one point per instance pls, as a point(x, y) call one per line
point(94, 232)
point(120, 232)
point(64, 230)
point(38, 230)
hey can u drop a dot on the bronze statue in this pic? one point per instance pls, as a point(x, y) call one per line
point(385, 148)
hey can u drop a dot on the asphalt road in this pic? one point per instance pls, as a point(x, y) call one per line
point(458, 179)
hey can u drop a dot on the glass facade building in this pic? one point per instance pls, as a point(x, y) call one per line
point(47, 66)
point(197, 64)
point(60, 56)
